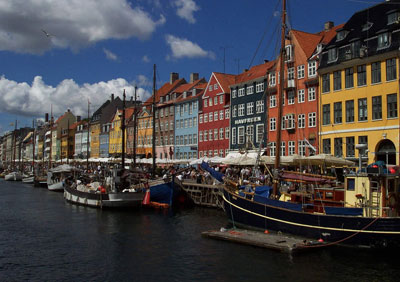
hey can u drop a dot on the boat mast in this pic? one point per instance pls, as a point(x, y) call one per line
point(68, 141)
point(134, 130)
point(15, 144)
point(154, 121)
point(280, 97)
point(87, 140)
point(33, 150)
point(123, 131)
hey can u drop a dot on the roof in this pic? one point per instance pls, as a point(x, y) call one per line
point(307, 41)
point(254, 72)
point(329, 35)
point(225, 80)
point(165, 89)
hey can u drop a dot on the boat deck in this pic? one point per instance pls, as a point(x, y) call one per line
point(273, 241)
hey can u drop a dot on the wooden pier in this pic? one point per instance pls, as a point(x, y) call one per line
point(273, 241)
point(206, 195)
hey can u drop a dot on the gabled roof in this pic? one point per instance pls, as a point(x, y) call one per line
point(327, 36)
point(165, 89)
point(224, 80)
point(254, 72)
point(308, 41)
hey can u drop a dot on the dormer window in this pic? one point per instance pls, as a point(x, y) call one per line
point(367, 26)
point(341, 35)
point(174, 96)
point(161, 99)
point(393, 17)
point(167, 98)
point(288, 53)
point(332, 55)
point(383, 40)
point(184, 94)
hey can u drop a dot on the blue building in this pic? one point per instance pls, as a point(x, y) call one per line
point(186, 120)
point(248, 108)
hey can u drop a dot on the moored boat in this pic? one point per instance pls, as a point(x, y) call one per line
point(56, 177)
point(29, 179)
point(13, 176)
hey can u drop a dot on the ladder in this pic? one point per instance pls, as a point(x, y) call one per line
point(375, 199)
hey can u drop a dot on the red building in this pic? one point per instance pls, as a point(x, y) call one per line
point(214, 116)
point(299, 134)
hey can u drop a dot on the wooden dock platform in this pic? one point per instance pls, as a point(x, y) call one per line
point(273, 241)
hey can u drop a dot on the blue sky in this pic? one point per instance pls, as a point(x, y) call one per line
point(61, 53)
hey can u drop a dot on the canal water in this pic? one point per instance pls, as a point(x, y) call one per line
point(43, 238)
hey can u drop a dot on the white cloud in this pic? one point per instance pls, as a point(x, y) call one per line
point(72, 23)
point(145, 59)
point(37, 98)
point(181, 47)
point(110, 55)
point(185, 9)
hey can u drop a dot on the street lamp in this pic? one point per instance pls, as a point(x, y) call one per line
point(360, 147)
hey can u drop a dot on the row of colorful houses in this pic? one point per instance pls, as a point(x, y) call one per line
point(340, 89)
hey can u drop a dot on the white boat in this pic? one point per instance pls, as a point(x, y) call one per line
point(56, 177)
point(28, 179)
point(13, 176)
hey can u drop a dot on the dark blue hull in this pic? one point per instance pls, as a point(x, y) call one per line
point(353, 230)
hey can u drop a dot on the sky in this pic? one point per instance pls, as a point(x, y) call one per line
point(63, 54)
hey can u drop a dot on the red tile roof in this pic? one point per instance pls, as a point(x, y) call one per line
point(254, 72)
point(307, 41)
point(165, 89)
point(329, 35)
point(225, 80)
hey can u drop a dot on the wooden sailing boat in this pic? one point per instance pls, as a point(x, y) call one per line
point(356, 213)
point(30, 178)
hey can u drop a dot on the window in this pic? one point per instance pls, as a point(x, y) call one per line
point(215, 134)
point(326, 114)
point(250, 108)
point(200, 136)
point(215, 115)
point(205, 118)
point(215, 86)
point(291, 148)
point(210, 135)
point(312, 119)
point(205, 103)
point(241, 110)
point(300, 71)
point(301, 120)
point(195, 105)
point(383, 40)
point(302, 148)
point(215, 100)
point(332, 55)
point(226, 113)
point(210, 116)
point(221, 99)
point(283, 148)
point(205, 135)
point(221, 133)
point(260, 87)
point(362, 75)
point(350, 148)
point(249, 133)
point(326, 146)
point(272, 79)
point(226, 132)
point(337, 80)
point(195, 121)
point(210, 88)
point(233, 94)
point(221, 114)
point(391, 69)
point(283, 122)
point(290, 121)
point(367, 26)
point(200, 154)
point(186, 123)
point(210, 102)
point(241, 92)
point(392, 105)
point(250, 90)
point(338, 147)
point(241, 135)
point(291, 97)
point(326, 87)
point(272, 101)
point(301, 96)
point(377, 107)
point(190, 122)
point(290, 73)
point(288, 53)
point(393, 18)
point(363, 140)
point(362, 109)
point(337, 112)
point(376, 72)
point(349, 79)
point(311, 94)
point(350, 111)
point(200, 118)
point(260, 106)
point(233, 135)
point(234, 111)
point(312, 68)
point(259, 133)
point(272, 149)
point(272, 124)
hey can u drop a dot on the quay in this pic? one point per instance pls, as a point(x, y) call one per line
point(273, 241)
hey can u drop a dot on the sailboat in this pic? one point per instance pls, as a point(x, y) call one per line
point(14, 175)
point(362, 212)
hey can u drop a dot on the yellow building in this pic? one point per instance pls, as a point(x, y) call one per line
point(359, 87)
point(145, 134)
point(95, 140)
point(115, 141)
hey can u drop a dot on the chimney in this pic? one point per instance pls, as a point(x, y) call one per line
point(328, 25)
point(245, 70)
point(266, 61)
point(78, 118)
point(194, 76)
point(46, 117)
point(112, 97)
point(174, 76)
